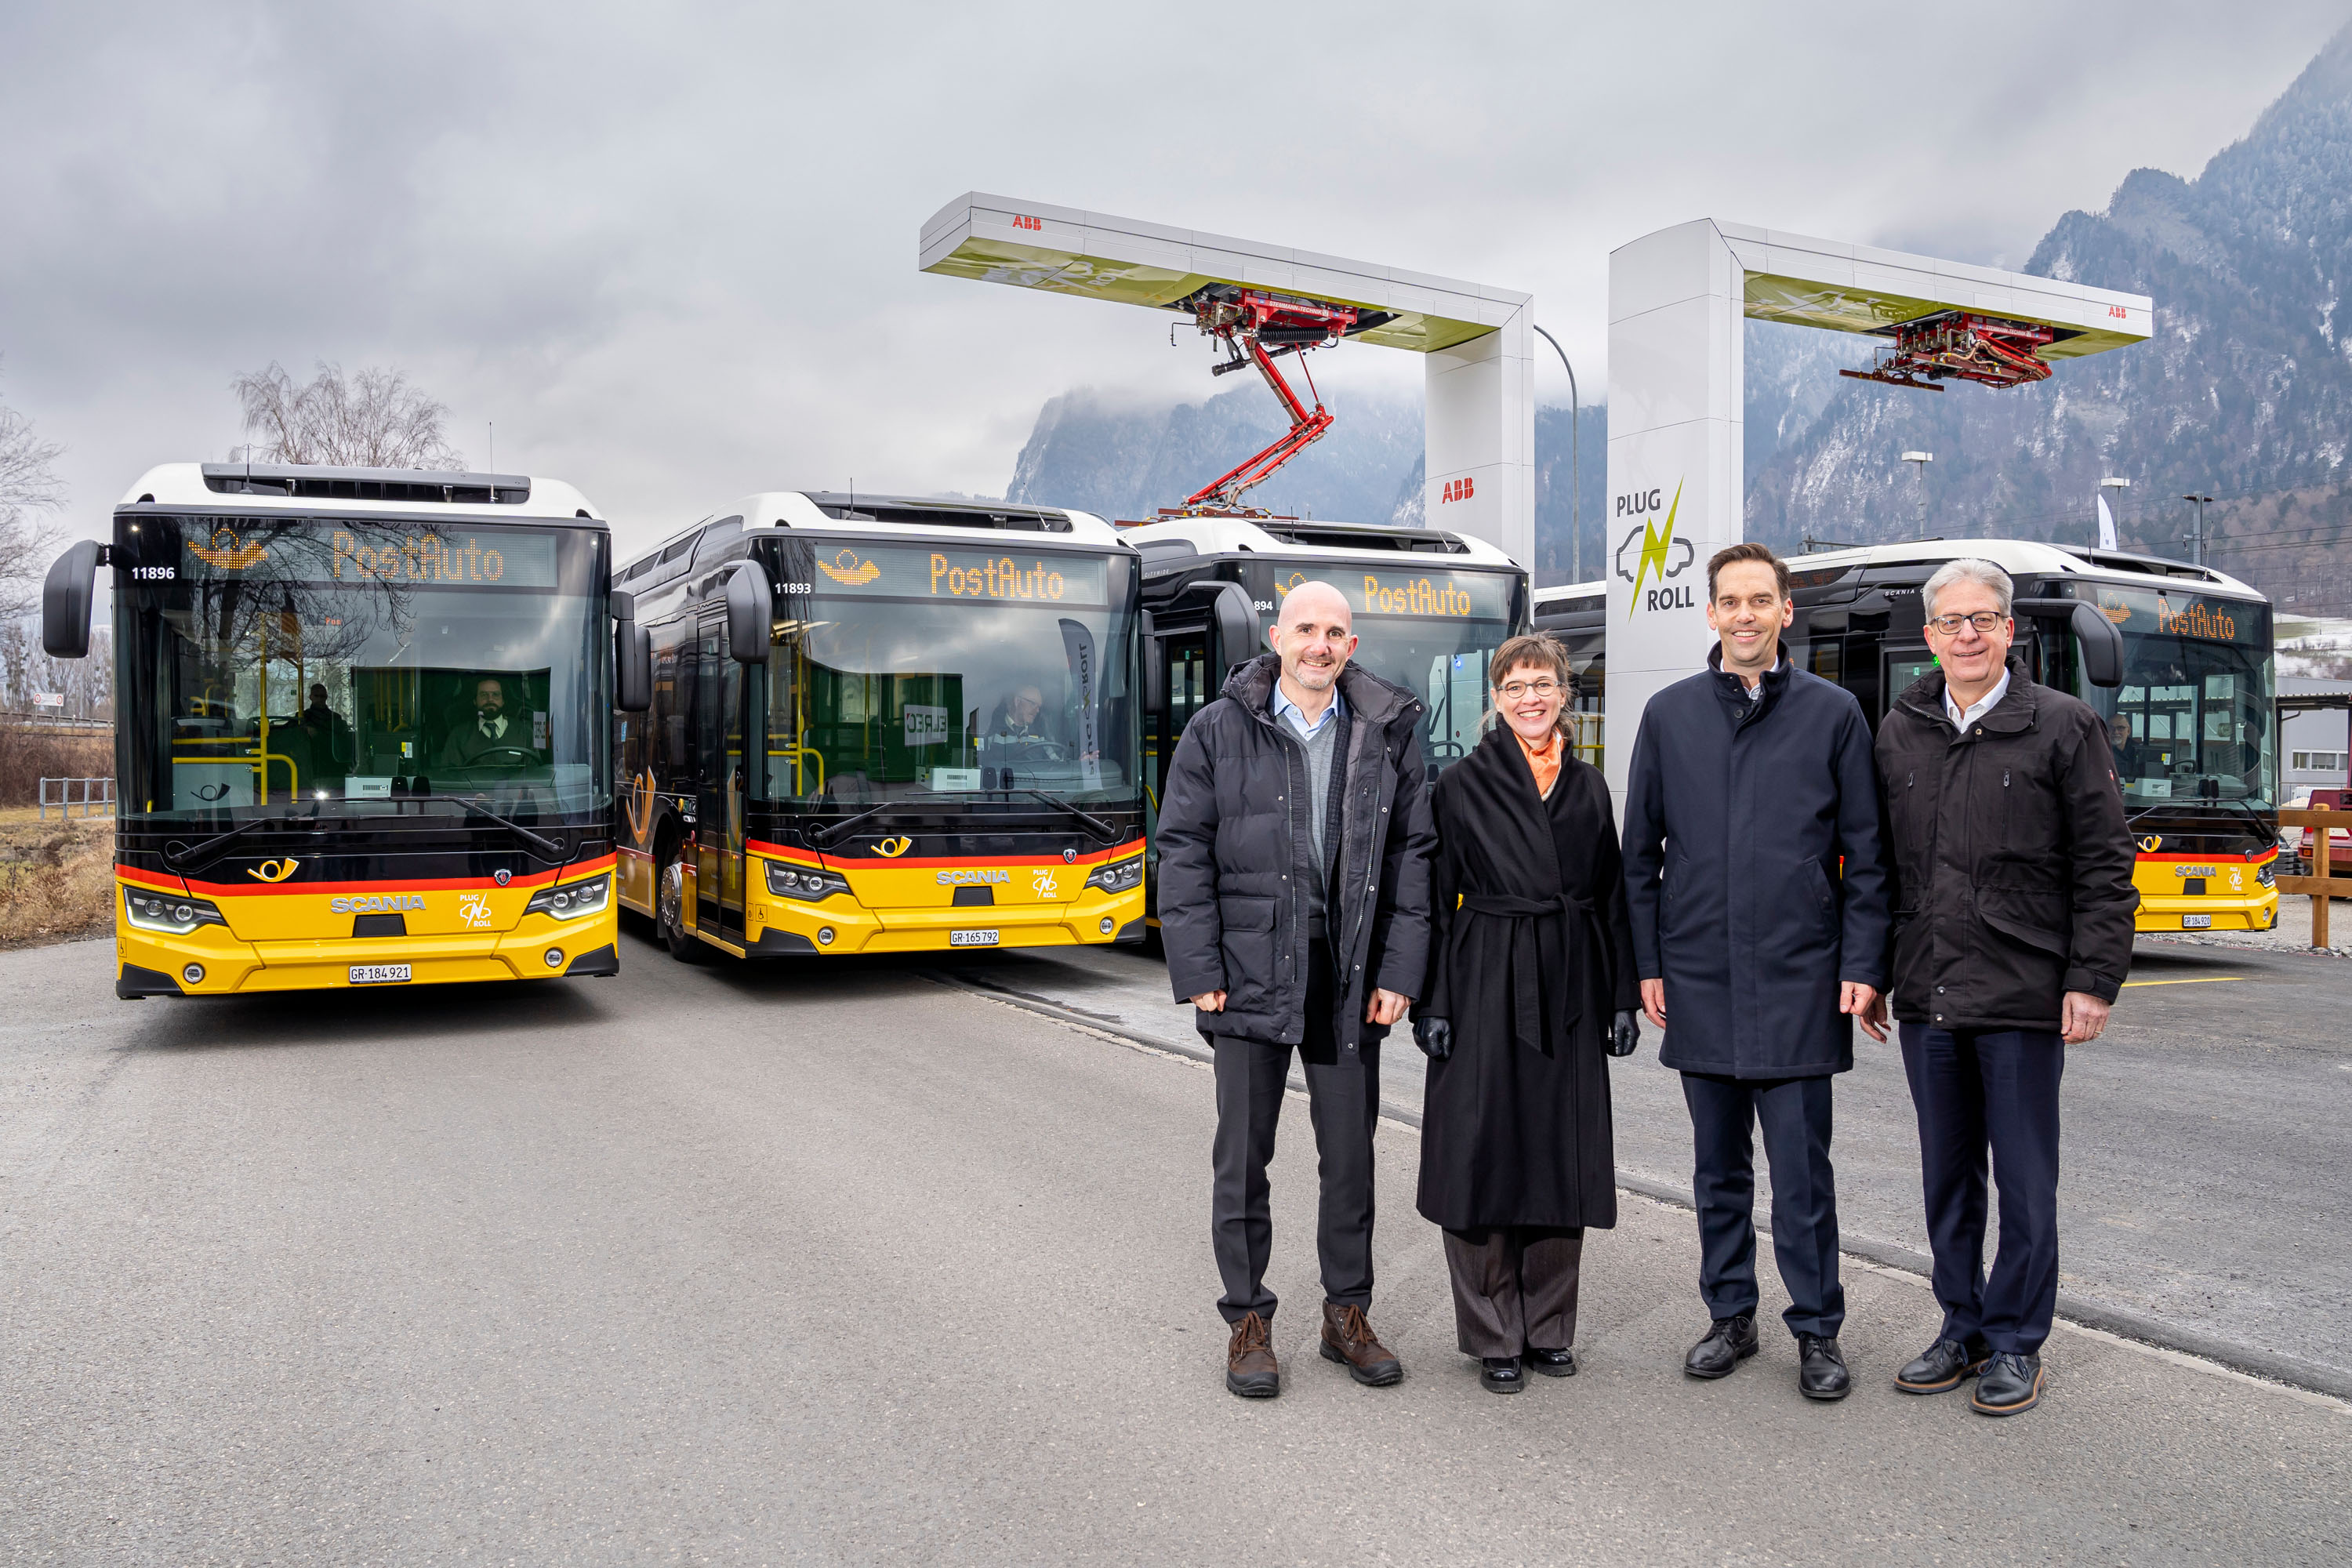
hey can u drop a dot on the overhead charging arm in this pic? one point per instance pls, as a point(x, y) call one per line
point(1245, 320)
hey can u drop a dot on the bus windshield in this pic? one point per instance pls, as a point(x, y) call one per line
point(364, 662)
point(2191, 721)
point(953, 673)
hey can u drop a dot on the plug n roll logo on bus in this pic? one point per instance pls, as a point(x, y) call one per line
point(1657, 560)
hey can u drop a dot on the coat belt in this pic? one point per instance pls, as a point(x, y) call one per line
point(1542, 931)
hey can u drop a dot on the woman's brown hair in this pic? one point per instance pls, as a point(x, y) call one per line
point(1538, 650)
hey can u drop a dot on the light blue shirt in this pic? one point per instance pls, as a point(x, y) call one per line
point(1284, 708)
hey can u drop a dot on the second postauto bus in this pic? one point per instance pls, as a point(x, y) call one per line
point(360, 730)
point(2177, 658)
point(885, 725)
point(1429, 608)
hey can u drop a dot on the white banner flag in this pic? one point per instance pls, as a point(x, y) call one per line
point(2107, 527)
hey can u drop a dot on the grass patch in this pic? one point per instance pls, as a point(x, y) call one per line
point(57, 879)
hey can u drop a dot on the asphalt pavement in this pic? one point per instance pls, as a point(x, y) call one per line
point(2206, 1146)
point(840, 1263)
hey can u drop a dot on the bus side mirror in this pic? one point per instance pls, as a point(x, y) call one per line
point(2103, 645)
point(66, 599)
point(632, 657)
point(1239, 638)
point(751, 613)
point(1155, 667)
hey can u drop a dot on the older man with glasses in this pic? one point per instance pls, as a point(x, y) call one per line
point(2014, 905)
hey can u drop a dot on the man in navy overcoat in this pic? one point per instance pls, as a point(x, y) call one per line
point(1758, 895)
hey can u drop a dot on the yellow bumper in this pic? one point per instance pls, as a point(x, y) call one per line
point(2220, 912)
point(231, 967)
point(839, 924)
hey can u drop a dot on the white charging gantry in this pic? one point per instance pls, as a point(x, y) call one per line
point(1678, 299)
point(1264, 302)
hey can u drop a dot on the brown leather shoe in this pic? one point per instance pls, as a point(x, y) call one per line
point(1251, 1370)
point(1348, 1337)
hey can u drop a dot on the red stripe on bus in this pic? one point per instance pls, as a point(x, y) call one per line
point(377, 884)
point(880, 863)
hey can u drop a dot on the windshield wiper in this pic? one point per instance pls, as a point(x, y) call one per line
point(544, 848)
point(183, 858)
point(826, 833)
point(1094, 825)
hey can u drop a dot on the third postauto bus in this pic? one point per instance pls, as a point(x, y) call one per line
point(1430, 609)
point(2176, 657)
point(885, 725)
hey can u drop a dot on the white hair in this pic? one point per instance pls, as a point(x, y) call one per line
point(1966, 569)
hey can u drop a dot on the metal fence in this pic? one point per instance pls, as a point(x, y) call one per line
point(95, 796)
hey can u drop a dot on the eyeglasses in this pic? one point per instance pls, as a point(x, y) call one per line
point(1983, 620)
point(1514, 689)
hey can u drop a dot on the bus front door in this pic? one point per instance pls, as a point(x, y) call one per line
point(722, 785)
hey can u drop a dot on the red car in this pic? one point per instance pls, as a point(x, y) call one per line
point(2339, 852)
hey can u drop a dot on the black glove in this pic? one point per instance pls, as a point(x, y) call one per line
point(1625, 1035)
point(1434, 1037)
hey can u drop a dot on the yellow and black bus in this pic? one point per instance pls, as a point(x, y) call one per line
point(1429, 608)
point(360, 731)
point(2177, 658)
point(884, 725)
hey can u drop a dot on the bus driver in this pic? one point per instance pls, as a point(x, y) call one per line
point(493, 740)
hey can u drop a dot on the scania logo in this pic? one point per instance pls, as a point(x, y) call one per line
point(1656, 560)
point(373, 903)
point(965, 878)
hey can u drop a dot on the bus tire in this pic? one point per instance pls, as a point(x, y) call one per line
point(669, 913)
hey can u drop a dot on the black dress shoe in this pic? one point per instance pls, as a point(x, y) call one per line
point(1551, 1363)
point(1944, 1365)
point(2012, 1385)
point(1820, 1369)
point(1501, 1376)
point(1728, 1343)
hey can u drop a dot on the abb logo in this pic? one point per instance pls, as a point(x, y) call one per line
point(1462, 488)
point(1021, 221)
point(2118, 313)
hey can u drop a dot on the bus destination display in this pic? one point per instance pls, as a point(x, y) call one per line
point(1420, 596)
point(362, 553)
point(970, 575)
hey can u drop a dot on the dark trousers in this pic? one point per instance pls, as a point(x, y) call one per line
point(1343, 1102)
point(1997, 1089)
point(1794, 1113)
point(1514, 1288)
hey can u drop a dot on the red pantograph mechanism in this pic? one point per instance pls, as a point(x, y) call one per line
point(1982, 349)
point(1247, 320)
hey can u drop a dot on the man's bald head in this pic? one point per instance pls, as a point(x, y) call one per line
point(1314, 635)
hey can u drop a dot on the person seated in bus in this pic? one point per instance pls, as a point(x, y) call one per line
point(329, 733)
point(494, 739)
point(2133, 758)
point(1020, 728)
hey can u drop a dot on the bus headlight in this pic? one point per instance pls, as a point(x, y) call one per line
point(571, 900)
point(803, 882)
point(1119, 876)
point(2266, 874)
point(164, 912)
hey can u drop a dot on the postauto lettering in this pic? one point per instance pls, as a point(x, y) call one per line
point(965, 878)
point(374, 903)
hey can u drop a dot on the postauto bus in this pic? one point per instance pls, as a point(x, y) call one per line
point(2176, 657)
point(1429, 608)
point(885, 725)
point(361, 727)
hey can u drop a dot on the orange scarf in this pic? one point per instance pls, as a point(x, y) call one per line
point(1544, 760)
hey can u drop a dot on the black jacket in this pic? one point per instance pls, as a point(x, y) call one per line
point(1232, 917)
point(1737, 816)
point(1531, 956)
point(2012, 862)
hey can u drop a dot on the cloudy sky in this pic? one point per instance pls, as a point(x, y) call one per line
point(670, 250)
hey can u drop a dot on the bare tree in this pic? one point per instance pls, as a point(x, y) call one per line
point(375, 419)
point(30, 493)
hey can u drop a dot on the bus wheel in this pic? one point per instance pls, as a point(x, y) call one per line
point(669, 907)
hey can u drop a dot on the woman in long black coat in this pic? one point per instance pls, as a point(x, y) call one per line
point(1531, 987)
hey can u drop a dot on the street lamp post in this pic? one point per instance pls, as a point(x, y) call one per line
point(1920, 461)
point(1575, 484)
point(2197, 538)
